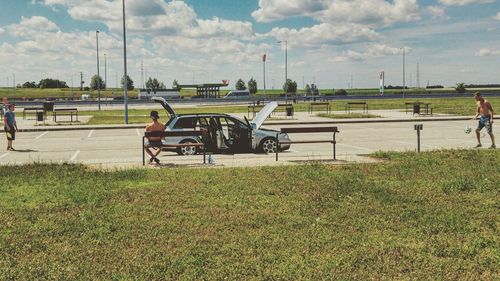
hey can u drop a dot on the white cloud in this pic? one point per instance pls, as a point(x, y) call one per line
point(437, 12)
point(2, 31)
point(325, 33)
point(497, 16)
point(33, 25)
point(487, 53)
point(372, 51)
point(464, 2)
point(369, 12)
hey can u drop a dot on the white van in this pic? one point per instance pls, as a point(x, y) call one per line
point(238, 94)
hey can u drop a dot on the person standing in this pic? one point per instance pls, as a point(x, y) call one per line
point(154, 142)
point(485, 113)
point(10, 126)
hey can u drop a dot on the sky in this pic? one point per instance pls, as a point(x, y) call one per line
point(331, 43)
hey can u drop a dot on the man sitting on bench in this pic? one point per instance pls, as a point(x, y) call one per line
point(154, 142)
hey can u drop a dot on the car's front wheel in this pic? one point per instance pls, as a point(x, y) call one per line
point(187, 149)
point(268, 145)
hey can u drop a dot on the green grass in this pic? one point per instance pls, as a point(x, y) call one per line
point(428, 216)
point(348, 115)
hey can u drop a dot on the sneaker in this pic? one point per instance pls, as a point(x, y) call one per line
point(156, 160)
point(493, 146)
point(11, 148)
point(478, 145)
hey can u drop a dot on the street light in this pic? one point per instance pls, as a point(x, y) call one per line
point(404, 82)
point(98, 76)
point(286, 58)
point(125, 79)
point(105, 80)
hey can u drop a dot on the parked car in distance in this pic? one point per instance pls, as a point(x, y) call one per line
point(225, 133)
point(238, 94)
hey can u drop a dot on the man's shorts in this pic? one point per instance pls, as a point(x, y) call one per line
point(484, 122)
point(11, 135)
point(155, 144)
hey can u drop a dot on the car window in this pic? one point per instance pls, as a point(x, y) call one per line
point(185, 123)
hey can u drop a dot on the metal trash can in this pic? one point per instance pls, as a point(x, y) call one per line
point(289, 111)
point(39, 116)
point(48, 106)
point(416, 108)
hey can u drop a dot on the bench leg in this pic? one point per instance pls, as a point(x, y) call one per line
point(143, 153)
point(277, 146)
point(334, 148)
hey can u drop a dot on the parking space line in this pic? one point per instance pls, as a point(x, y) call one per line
point(90, 134)
point(5, 154)
point(74, 155)
point(137, 131)
point(353, 146)
point(413, 144)
point(43, 134)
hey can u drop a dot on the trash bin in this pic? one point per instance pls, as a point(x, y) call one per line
point(48, 106)
point(289, 111)
point(39, 116)
point(416, 108)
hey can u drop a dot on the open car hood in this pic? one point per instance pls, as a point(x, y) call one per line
point(165, 105)
point(263, 114)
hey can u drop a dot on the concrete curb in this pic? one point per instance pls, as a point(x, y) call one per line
point(348, 121)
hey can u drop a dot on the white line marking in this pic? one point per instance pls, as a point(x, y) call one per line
point(74, 155)
point(41, 135)
point(353, 146)
point(137, 131)
point(90, 134)
point(413, 144)
point(5, 154)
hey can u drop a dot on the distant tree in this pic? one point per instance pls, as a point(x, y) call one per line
point(240, 85)
point(130, 83)
point(175, 85)
point(308, 90)
point(290, 86)
point(49, 83)
point(252, 86)
point(460, 88)
point(30, 84)
point(97, 82)
point(314, 89)
point(152, 84)
point(341, 92)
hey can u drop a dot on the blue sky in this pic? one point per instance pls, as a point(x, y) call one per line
point(333, 43)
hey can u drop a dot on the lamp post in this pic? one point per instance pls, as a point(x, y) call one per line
point(264, 63)
point(125, 79)
point(404, 81)
point(105, 80)
point(98, 76)
point(286, 62)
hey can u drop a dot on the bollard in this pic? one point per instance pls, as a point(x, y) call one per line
point(418, 128)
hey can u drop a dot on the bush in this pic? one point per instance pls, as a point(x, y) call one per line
point(460, 88)
point(341, 92)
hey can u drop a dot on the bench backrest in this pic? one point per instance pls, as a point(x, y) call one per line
point(174, 133)
point(65, 109)
point(319, 103)
point(310, 130)
point(356, 102)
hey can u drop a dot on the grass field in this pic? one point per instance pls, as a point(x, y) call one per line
point(457, 106)
point(429, 216)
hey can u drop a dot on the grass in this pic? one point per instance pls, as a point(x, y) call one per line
point(456, 106)
point(427, 216)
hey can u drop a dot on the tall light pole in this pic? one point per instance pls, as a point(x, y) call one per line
point(404, 81)
point(286, 58)
point(105, 79)
point(125, 78)
point(264, 63)
point(98, 76)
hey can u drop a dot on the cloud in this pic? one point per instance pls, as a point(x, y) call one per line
point(33, 25)
point(325, 33)
point(487, 53)
point(373, 51)
point(369, 12)
point(437, 12)
point(2, 31)
point(464, 2)
point(497, 16)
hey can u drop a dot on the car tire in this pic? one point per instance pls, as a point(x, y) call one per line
point(187, 150)
point(268, 145)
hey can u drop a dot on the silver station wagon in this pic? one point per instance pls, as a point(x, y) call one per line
point(226, 133)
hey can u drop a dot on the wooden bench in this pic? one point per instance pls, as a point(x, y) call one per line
point(164, 134)
point(65, 111)
point(360, 104)
point(294, 130)
point(426, 106)
point(36, 109)
point(326, 105)
point(253, 108)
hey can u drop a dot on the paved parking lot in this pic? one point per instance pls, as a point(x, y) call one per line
point(122, 147)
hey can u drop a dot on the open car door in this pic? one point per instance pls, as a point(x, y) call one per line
point(263, 114)
point(165, 105)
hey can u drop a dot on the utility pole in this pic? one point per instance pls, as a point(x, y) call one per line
point(125, 78)
point(142, 75)
point(98, 76)
point(418, 75)
point(81, 81)
point(264, 64)
point(404, 82)
point(105, 79)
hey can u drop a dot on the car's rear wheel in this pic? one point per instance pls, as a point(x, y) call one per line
point(268, 145)
point(187, 149)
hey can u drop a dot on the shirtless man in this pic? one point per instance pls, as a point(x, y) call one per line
point(485, 114)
